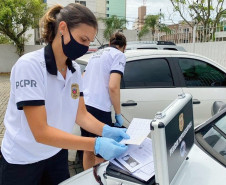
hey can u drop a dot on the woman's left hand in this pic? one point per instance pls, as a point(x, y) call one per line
point(119, 120)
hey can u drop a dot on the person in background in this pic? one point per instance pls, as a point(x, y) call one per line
point(46, 99)
point(101, 88)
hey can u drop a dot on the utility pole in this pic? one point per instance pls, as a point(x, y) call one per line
point(137, 37)
point(194, 35)
point(159, 24)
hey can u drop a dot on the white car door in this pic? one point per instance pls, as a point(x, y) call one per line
point(147, 87)
point(206, 83)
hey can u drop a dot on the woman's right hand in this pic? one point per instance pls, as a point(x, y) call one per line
point(109, 148)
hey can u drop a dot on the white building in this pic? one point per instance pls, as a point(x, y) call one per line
point(98, 7)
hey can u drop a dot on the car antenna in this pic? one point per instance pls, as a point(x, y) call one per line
point(98, 41)
point(125, 118)
point(183, 91)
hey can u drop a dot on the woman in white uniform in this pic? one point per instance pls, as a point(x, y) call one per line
point(46, 99)
point(102, 88)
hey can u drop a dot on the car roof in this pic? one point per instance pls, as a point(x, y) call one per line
point(154, 46)
point(162, 45)
point(146, 53)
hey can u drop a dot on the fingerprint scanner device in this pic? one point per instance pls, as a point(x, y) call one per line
point(172, 133)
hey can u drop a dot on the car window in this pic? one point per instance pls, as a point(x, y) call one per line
point(82, 67)
point(215, 136)
point(147, 73)
point(148, 48)
point(199, 73)
point(175, 49)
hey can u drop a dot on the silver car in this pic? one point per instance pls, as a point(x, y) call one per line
point(153, 78)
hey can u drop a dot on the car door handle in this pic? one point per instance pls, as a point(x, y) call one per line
point(129, 104)
point(196, 101)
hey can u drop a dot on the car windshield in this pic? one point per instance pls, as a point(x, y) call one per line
point(213, 138)
point(82, 67)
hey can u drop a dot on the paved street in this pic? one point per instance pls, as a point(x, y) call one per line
point(74, 166)
point(4, 96)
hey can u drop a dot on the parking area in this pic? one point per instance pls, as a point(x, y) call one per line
point(74, 166)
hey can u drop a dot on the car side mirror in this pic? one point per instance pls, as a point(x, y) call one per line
point(217, 107)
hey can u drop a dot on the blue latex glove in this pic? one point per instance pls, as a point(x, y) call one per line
point(115, 133)
point(119, 120)
point(109, 148)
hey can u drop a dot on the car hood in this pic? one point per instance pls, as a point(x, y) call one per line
point(200, 169)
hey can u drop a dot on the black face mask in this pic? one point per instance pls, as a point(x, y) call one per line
point(73, 49)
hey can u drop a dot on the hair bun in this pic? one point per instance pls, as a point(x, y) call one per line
point(118, 36)
point(118, 39)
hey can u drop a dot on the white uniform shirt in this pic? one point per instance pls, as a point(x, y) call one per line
point(35, 81)
point(97, 75)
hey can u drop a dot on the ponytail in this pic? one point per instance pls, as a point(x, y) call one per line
point(73, 14)
point(48, 23)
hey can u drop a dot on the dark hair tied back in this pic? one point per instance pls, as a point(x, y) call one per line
point(118, 39)
point(48, 23)
point(73, 14)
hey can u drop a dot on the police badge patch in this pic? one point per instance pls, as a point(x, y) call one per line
point(181, 122)
point(75, 91)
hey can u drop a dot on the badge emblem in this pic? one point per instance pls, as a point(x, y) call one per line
point(75, 91)
point(181, 122)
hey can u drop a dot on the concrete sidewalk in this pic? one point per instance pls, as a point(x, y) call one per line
point(74, 166)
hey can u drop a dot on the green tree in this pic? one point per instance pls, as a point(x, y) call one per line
point(4, 40)
point(16, 17)
point(151, 23)
point(204, 12)
point(112, 24)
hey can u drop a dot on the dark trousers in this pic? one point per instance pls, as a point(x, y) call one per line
point(100, 115)
point(51, 171)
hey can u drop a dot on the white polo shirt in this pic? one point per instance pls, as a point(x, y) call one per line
point(97, 75)
point(35, 81)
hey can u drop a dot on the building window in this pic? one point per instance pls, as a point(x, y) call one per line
point(107, 8)
point(186, 30)
point(107, 2)
point(81, 2)
point(107, 15)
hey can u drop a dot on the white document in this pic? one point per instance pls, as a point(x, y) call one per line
point(137, 157)
point(144, 173)
point(138, 131)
